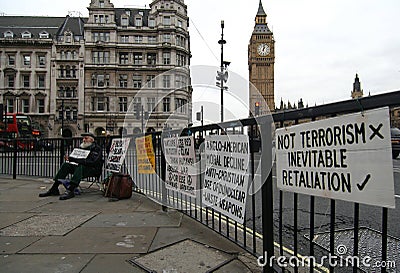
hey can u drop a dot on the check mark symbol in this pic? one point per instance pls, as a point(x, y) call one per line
point(364, 183)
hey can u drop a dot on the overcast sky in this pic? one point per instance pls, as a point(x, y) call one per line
point(320, 45)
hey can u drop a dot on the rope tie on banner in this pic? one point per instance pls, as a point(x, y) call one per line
point(361, 107)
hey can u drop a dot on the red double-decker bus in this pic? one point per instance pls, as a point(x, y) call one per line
point(17, 126)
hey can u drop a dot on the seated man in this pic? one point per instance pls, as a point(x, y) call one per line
point(78, 167)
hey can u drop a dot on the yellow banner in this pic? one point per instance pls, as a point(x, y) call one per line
point(146, 160)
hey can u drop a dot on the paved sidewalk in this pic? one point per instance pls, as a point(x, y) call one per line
point(90, 234)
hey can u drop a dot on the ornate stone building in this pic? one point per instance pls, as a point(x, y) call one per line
point(261, 60)
point(83, 73)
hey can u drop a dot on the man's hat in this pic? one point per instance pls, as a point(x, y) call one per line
point(88, 134)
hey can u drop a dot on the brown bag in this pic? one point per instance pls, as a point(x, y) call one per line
point(119, 186)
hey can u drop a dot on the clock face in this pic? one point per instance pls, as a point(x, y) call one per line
point(263, 49)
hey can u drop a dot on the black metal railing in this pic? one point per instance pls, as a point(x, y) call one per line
point(277, 223)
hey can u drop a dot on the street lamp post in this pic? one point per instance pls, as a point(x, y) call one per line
point(222, 42)
point(62, 118)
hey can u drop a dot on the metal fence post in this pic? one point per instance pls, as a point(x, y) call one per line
point(267, 191)
point(15, 154)
point(163, 173)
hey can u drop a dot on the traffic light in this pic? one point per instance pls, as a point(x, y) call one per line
point(257, 109)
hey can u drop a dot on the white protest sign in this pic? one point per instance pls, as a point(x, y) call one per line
point(79, 153)
point(347, 157)
point(181, 174)
point(226, 175)
point(117, 154)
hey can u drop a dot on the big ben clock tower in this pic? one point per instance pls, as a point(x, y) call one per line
point(261, 66)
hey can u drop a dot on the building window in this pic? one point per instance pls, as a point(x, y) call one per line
point(74, 114)
point(138, 22)
point(137, 58)
point(180, 41)
point(40, 105)
point(26, 35)
point(152, 22)
point(101, 57)
point(123, 81)
point(41, 81)
point(101, 3)
point(101, 104)
point(137, 81)
point(179, 23)
point(11, 60)
point(166, 20)
point(100, 80)
point(151, 104)
point(10, 81)
point(166, 104)
point(180, 106)
point(101, 36)
point(25, 105)
point(151, 81)
point(180, 59)
point(25, 81)
point(123, 104)
point(166, 81)
point(167, 58)
point(26, 60)
point(43, 35)
point(180, 81)
point(152, 39)
point(123, 58)
point(10, 105)
point(151, 58)
point(8, 34)
point(60, 114)
point(138, 39)
point(167, 38)
point(68, 38)
point(68, 113)
point(42, 61)
point(124, 21)
point(124, 39)
point(69, 93)
point(67, 71)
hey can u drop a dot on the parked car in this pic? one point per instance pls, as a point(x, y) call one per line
point(395, 135)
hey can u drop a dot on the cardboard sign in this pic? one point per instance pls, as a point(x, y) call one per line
point(346, 157)
point(226, 175)
point(181, 174)
point(79, 153)
point(116, 157)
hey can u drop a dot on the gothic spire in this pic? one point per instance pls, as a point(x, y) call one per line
point(261, 10)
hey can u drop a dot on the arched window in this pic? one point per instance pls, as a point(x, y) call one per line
point(68, 113)
point(68, 71)
point(61, 92)
point(74, 113)
point(61, 71)
point(60, 113)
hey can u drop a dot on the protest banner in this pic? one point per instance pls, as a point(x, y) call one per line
point(226, 175)
point(116, 156)
point(181, 174)
point(146, 161)
point(346, 157)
